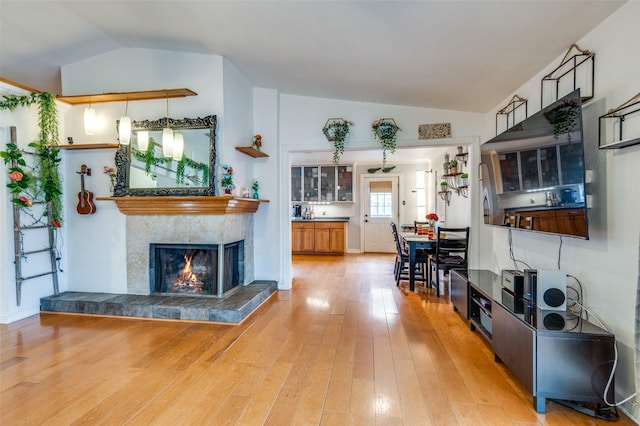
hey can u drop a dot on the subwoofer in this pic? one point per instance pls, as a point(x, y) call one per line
point(551, 290)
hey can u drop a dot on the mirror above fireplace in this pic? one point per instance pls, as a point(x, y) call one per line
point(145, 169)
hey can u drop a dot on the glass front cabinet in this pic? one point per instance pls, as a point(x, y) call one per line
point(321, 183)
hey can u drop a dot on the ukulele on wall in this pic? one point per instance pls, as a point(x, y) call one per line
point(85, 198)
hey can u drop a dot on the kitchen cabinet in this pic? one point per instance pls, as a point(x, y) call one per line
point(541, 168)
point(318, 237)
point(329, 237)
point(303, 237)
point(321, 183)
point(565, 221)
point(571, 221)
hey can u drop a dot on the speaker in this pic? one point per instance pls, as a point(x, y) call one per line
point(551, 290)
point(551, 320)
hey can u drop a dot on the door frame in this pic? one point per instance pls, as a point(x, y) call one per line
point(363, 203)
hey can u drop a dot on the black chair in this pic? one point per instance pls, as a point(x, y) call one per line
point(401, 267)
point(451, 252)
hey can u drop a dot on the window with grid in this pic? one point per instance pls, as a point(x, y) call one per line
point(380, 201)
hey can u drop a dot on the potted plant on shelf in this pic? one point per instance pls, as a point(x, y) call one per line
point(465, 179)
point(336, 131)
point(453, 167)
point(443, 186)
point(385, 130)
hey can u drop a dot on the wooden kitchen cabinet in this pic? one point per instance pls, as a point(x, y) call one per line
point(329, 237)
point(543, 220)
point(571, 222)
point(317, 237)
point(565, 221)
point(303, 237)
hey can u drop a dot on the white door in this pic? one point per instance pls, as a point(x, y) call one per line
point(380, 205)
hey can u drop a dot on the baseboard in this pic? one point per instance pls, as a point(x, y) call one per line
point(17, 316)
point(632, 410)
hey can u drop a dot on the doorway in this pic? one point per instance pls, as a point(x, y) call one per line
point(380, 205)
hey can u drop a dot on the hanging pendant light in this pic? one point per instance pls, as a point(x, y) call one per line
point(124, 127)
point(167, 137)
point(178, 146)
point(143, 140)
point(89, 120)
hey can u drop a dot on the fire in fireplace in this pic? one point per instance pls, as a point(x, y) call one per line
point(196, 269)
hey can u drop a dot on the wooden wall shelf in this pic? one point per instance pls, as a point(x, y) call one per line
point(126, 96)
point(195, 205)
point(88, 146)
point(251, 151)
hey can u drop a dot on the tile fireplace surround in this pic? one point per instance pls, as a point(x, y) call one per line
point(142, 230)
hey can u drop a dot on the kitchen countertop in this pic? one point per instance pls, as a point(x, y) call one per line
point(321, 219)
point(543, 208)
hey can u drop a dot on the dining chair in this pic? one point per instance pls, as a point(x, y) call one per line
point(511, 220)
point(525, 222)
point(401, 267)
point(451, 252)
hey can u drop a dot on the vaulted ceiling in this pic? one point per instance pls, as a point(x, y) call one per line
point(459, 55)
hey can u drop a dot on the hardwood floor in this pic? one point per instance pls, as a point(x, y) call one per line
point(344, 346)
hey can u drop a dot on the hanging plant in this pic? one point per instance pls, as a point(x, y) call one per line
point(47, 179)
point(336, 131)
point(385, 130)
point(563, 118)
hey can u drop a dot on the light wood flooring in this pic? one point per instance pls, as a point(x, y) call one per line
point(344, 346)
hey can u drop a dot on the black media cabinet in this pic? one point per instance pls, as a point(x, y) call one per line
point(556, 355)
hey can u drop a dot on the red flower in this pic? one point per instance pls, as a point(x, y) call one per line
point(432, 216)
point(16, 176)
point(27, 202)
point(56, 223)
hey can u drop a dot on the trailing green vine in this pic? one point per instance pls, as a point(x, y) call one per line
point(150, 160)
point(47, 179)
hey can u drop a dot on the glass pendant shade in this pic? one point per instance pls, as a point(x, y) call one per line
point(124, 130)
point(89, 121)
point(167, 142)
point(178, 146)
point(143, 140)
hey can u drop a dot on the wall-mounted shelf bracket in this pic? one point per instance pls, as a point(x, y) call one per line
point(579, 72)
point(612, 133)
point(511, 114)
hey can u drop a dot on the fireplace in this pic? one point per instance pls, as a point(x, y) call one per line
point(195, 269)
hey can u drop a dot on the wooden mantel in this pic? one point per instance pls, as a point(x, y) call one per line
point(168, 205)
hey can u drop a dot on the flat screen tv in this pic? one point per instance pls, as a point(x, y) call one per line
point(533, 174)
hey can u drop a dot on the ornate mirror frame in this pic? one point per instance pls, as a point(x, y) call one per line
point(123, 158)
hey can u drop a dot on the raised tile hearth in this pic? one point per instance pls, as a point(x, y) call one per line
point(233, 307)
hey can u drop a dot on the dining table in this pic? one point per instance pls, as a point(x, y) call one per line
point(415, 242)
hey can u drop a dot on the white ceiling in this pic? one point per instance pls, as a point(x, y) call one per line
point(460, 55)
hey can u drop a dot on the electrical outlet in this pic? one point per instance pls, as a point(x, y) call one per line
point(588, 176)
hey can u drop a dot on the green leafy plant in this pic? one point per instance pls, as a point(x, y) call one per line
point(464, 176)
point(336, 131)
point(385, 130)
point(47, 179)
point(563, 118)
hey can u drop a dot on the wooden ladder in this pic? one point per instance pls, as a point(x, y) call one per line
point(18, 238)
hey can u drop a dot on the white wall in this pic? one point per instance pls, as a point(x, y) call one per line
point(607, 263)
